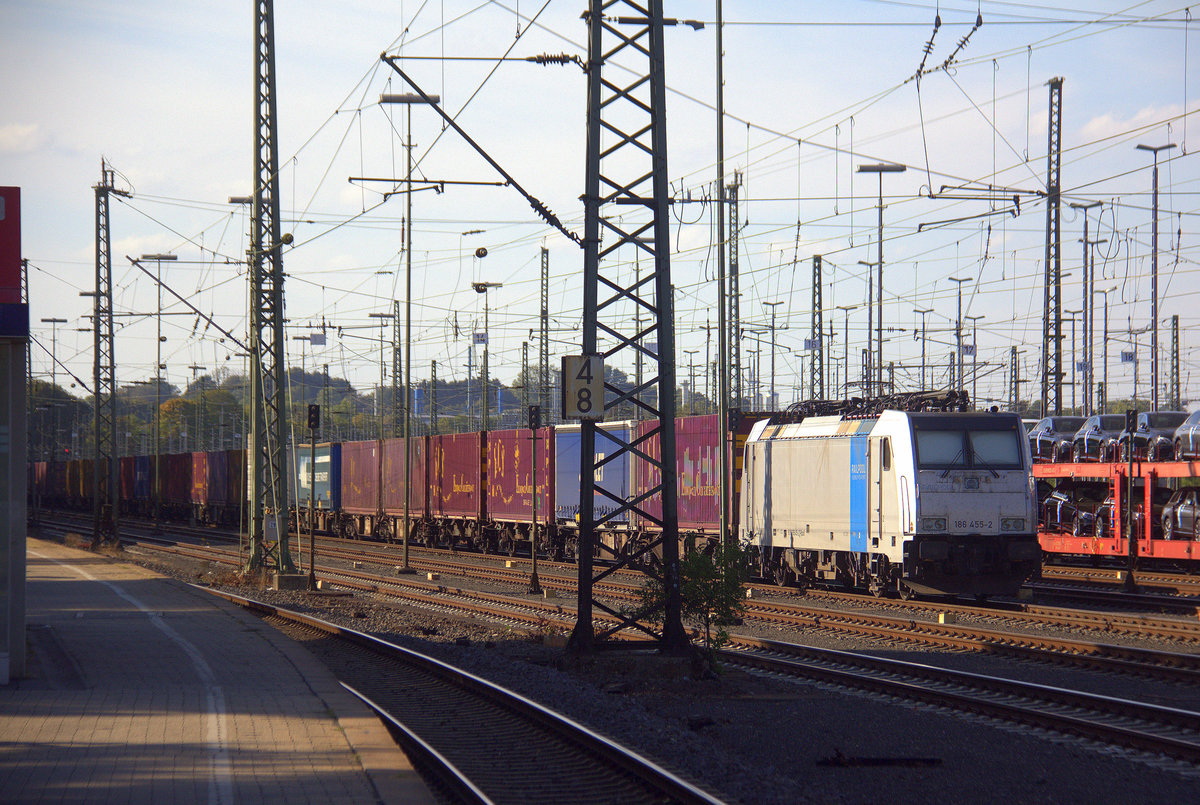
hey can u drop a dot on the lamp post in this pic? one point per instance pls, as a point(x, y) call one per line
point(923, 311)
point(958, 330)
point(975, 357)
point(482, 287)
point(1154, 149)
point(880, 169)
point(408, 99)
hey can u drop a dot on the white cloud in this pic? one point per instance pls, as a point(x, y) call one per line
point(1109, 125)
point(20, 138)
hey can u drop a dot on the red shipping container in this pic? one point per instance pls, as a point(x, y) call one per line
point(199, 478)
point(235, 476)
point(396, 480)
point(698, 465)
point(74, 478)
point(510, 475)
point(217, 469)
point(360, 477)
point(177, 469)
point(456, 480)
point(127, 475)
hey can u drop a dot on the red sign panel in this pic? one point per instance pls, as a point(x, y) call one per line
point(10, 245)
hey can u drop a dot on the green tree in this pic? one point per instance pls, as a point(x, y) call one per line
point(710, 589)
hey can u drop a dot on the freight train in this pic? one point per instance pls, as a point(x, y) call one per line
point(965, 528)
point(473, 490)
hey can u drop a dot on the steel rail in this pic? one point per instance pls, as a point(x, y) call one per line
point(658, 781)
point(1093, 716)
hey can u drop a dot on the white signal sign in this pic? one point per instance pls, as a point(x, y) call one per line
point(582, 387)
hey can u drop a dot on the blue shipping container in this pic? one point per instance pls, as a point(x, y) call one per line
point(328, 475)
point(613, 476)
point(142, 470)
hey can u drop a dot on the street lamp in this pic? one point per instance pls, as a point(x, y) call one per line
point(482, 287)
point(880, 169)
point(958, 329)
point(1154, 149)
point(407, 99)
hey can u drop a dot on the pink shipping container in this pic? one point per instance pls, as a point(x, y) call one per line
point(456, 476)
point(510, 471)
point(396, 479)
point(177, 479)
point(200, 478)
point(127, 474)
point(698, 464)
point(360, 477)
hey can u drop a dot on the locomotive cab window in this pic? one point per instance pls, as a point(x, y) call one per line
point(887, 454)
point(994, 448)
point(941, 448)
point(974, 447)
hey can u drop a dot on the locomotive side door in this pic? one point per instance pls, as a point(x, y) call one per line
point(884, 496)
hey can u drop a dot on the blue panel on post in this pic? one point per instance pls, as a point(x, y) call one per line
point(14, 320)
point(858, 493)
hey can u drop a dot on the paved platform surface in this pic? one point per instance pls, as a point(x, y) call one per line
point(143, 690)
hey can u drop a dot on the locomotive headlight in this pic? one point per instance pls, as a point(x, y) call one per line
point(933, 523)
point(1012, 523)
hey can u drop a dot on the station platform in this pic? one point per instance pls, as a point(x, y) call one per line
point(141, 689)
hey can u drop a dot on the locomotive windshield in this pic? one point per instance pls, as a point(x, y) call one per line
point(968, 448)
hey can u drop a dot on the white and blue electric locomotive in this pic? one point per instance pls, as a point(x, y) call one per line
point(936, 503)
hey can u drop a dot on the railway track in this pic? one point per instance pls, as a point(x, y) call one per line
point(443, 716)
point(1136, 726)
point(1024, 645)
point(1108, 578)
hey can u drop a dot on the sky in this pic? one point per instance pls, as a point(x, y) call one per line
point(163, 92)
